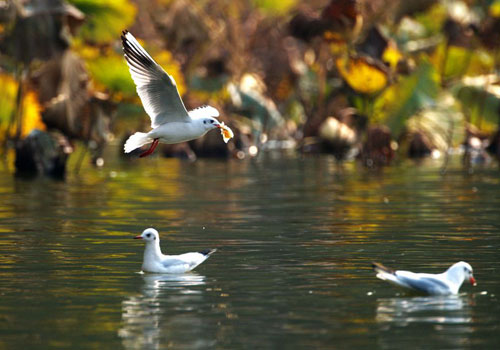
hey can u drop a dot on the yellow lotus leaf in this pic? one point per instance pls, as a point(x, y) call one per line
point(361, 75)
point(392, 56)
point(494, 9)
point(31, 116)
point(274, 7)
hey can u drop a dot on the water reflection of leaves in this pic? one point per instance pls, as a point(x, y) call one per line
point(141, 186)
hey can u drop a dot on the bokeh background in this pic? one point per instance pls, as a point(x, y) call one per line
point(374, 80)
point(364, 131)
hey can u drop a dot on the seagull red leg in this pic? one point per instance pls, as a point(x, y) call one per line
point(151, 149)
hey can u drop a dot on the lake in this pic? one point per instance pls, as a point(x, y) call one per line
point(295, 238)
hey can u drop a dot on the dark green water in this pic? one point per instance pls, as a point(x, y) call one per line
point(295, 239)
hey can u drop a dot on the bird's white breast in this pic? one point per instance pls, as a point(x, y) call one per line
point(176, 132)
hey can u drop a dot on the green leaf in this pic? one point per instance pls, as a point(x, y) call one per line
point(405, 98)
point(105, 19)
point(110, 70)
point(480, 100)
point(277, 7)
point(494, 9)
point(432, 20)
point(462, 61)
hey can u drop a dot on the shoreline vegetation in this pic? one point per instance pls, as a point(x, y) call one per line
point(373, 80)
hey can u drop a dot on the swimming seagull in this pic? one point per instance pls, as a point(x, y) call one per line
point(155, 262)
point(448, 282)
point(170, 121)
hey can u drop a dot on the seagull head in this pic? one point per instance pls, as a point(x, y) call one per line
point(210, 123)
point(465, 270)
point(149, 235)
point(468, 273)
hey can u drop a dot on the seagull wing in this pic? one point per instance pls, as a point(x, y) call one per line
point(156, 88)
point(425, 283)
point(187, 261)
point(174, 264)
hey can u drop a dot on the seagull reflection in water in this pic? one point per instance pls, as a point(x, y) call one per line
point(451, 309)
point(446, 321)
point(145, 317)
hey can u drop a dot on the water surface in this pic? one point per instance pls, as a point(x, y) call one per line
point(295, 239)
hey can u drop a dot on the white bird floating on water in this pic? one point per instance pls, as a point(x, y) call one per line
point(155, 262)
point(448, 282)
point(170, 121)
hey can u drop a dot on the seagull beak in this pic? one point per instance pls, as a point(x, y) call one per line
point(472, 280)
point(138, 237)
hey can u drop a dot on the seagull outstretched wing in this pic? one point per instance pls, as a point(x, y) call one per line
point(156, 88)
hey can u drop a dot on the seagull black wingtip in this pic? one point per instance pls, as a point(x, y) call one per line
point(124, 33)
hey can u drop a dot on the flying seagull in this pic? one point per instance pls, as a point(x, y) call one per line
point(170, 121)
point(448, 282)
point(154, 261)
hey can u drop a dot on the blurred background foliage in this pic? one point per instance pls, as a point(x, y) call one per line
point(29, 108)
point(376, 80)
point(104, 19)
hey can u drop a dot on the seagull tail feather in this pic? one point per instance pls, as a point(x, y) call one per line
point(137, 140)
point(208, 252)
point(381, 268)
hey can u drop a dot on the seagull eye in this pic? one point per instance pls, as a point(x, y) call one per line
point(148, 235)
point(204, 122)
